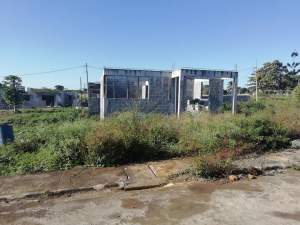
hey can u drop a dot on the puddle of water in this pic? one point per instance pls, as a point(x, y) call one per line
point(291, 216)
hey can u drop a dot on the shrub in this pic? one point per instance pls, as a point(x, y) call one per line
point(32, 138)
point(296, 93)
point(226, 107)
point(44, 148)
point(250, 107)
point(212, 166)
point(205, 133)
point(68, 142)
point(259, 135)
point(41, 161)
point(214, 133)
point(160, 133)
point(7, 160)
point(130, 137)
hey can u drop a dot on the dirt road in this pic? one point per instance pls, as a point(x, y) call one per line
point(267, 200)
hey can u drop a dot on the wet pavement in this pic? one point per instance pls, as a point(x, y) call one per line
point(268, 200)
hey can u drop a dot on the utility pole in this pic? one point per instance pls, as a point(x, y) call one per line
point(234, 90)
point(256, 83)
point(80, 93)
point(87, 81)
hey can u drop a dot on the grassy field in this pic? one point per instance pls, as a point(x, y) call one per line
point(58, 139)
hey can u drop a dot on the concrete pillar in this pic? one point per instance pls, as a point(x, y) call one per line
point(197, 89)
point(180, 86)
point(102, 97)
point(181, 94)
point(215, 94)
point(234, 92)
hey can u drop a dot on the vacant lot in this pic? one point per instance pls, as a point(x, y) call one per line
point(58, 139)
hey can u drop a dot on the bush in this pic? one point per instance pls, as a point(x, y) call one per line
point(68, 142)
point(130, 137)
point(41, 161)
point(45, 148)
point(285, 113)
point(296, 93)
point(213, 133)
point(226, 107)
point(212, 166)
point(259, 135)
point(250, 107)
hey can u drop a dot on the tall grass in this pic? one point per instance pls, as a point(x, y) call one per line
point(33, 117)
point(62, 139)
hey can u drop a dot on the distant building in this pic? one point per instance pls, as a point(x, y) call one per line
point(49, 98)
point(36, 98)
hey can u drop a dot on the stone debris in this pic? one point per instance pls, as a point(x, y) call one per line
point(232, 178)
point(296, 144)
point(250, 177)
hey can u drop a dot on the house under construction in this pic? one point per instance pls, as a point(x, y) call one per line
point(164, 91)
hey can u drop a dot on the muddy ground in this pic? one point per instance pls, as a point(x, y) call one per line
point(267, 200)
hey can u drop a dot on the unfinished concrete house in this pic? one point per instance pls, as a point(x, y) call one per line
point(163, 91)
point(48, 98)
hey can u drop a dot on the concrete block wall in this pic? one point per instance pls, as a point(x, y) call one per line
point(94, 98)
point(215, 98)
point(123, 90)
point(142, 105)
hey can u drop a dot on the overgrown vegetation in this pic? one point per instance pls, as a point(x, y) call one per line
point(32, 117)
point(213, 165)
point(59, 139)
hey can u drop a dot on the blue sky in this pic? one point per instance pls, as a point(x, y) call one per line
point(42, 35)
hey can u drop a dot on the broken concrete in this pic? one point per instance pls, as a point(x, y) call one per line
point(296, 144)
point(142, 177)
point(271, 161)
point(131, 177)
point(68, 181)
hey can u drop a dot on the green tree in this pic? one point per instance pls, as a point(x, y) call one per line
point(293, 70)
point(273, 76)
point(12, 91)
point(252, 83)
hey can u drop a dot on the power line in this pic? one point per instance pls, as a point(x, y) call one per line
point(95, 67)
point(50, 71)
point(53, 71)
